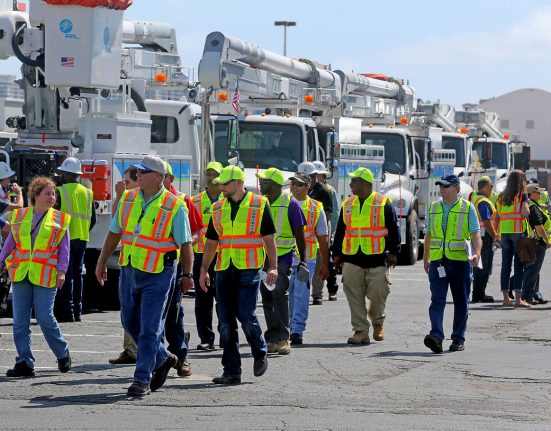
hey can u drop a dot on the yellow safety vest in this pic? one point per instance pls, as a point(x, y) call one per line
point(546, 223)
point(203, 204)
point(452, 245)
point(311, 209)
point(285, 238)
point(476, 201)
point(510, 217)
point(147, 237)
point(240, 242)
point(543, 201)
point(365, 229)
point(38, 261)
point(77, 201)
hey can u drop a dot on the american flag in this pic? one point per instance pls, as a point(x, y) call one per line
point(67, 61)
point(236, 97)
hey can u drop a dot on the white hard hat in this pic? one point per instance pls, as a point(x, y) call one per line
point(307, 168)
point(5, 171)
point(320, 167)
point(71, 165)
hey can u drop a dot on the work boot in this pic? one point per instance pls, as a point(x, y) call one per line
point(378, 332)
point(433, 343)
point(359, 337)
point(227, 379)
point(159, 375)
point(284, 347)
point(64, 364)
point(272, 347)
point(183, 368)
point(296, 339)
point(205, 346)
point(260, 365)
point(138, 389)
point(124, 358)
point(21, 369)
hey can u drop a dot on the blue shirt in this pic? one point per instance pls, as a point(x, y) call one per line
point(485, 211)
point(474, 225)
point(180, 231)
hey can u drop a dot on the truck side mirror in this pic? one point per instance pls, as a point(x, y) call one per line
point(429, 156)
point(331, 145)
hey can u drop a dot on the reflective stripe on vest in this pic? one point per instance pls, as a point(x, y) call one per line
point(37, 261)
point(240, 242)
point(285, 239)
point(77, 201)
point(365, 228)
point(510, 217)
point(312, 210)
point(146, 238)
point(476, 201)
point(452, 246)
point(203, 205)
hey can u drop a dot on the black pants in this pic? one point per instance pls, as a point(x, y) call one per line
point(481, 276)
point(332, 286)
point(204, 301)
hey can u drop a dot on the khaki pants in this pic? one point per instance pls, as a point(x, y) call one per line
point(317, 283)
point(361, 283)
point(129, 344)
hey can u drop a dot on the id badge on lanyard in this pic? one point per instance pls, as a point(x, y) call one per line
point(441, 272)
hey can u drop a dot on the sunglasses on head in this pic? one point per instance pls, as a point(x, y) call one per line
point(145, 171)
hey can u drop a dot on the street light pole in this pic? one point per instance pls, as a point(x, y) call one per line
point(285, 24)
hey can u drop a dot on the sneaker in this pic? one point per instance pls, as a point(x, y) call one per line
point(284, 347)
point(227, 379)
point(317, 301)
point(20, 369)
point(64, 364)
point(272, 347)
point(138, 389)
point(378, 332)
point(359, 337)
point(124, 358)
point(183, 368)
point(457, 346)
point(260, 365)
point(205, 346)
point(296, 339)
point(158, 378)
point(333, 297)
point(433, 343)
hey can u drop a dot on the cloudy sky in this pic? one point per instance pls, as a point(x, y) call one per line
point(454, 51)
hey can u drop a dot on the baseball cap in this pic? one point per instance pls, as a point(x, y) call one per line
point(229, 173)
point(303, 178)
point(320, 167)
point(307, 168)
point(485, 178)
point(215, 166)
point(272, 174)
point(168, 168)
point(152, 163)
point(532, 188)
point(362, 173)
point(448, 180)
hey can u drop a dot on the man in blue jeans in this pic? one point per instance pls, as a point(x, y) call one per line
point(452, 245)
point(151, 224)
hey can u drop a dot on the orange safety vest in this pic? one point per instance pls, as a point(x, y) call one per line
point(510, 216)
point(38, 261)
point(312, 210)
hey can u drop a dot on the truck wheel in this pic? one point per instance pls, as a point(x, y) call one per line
point(410, 250)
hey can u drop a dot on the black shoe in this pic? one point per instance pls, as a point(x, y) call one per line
point(183, 368)
point(21, 369)
point(78, 319)
point(205, 346)
point(456, 346)
point(433, 343)
point(65, 319)
point(158, 378)
point(260, 366)
point(226, 379)
point(124, 358)
point(296, 339)
point(138, 389)
point(317, 301)
point(64, 364)
point(541, 301)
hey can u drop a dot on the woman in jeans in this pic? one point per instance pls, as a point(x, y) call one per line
point(512, 210)
point(36, 254)
point(538, 222)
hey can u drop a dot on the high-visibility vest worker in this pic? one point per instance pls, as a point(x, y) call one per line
point(285, 238)
point(452, 244)
point(476, 201)
point(544, 197)
point(203, 204)
point(147, 236)
point(36, 261)
point(77, 201)
point(510, 217)
point(546, 223)
point(240, 242)
point(365, 228)
point(311, 209)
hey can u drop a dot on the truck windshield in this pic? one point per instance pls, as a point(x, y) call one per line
point(395, 150)
point(499, 154)
point(457, 144)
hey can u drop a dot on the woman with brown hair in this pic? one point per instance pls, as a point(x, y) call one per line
point(512, 211)
point(36, 254)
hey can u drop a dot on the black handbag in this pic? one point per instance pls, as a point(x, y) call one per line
point(526, 249)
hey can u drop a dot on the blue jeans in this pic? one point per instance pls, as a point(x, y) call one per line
point(458, 278)
point(299, 299)
point(236, 295)
point(143, 298)
point(530, 284)
point(68, 301)
point(25, 296)
point(508, 254)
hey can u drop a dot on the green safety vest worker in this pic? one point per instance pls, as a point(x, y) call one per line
point(544, 197)
point(311, 209)
point(365, 228)
point(240, 241)
point(546, 223)
point(510, 217)
point(476, 201)
point(77, 201)
point(203, 204)
point(36, 261)
point(147, 237)
point(450, 245)
point(285, 239)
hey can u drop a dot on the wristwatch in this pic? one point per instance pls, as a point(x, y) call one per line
point(188, 275)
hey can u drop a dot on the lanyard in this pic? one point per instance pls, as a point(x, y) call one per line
point(38, 223)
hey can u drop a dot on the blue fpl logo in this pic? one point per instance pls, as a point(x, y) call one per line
point(66, 27)
point(106, 39)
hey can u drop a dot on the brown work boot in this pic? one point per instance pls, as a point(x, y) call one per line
point(124, 358)
point(272, 347)
point(378, 332)
point(359, 337)
point(284, 347)
point(183, 368)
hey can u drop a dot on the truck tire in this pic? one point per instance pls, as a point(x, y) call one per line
point(410, 250)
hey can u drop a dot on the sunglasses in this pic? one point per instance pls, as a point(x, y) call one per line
point(145, 171)
point(445, 187)
point(298, 184)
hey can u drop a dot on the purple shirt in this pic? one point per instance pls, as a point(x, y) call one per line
point(62, 250)
point(296, 219)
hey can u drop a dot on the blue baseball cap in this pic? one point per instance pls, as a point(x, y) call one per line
point(448, 180)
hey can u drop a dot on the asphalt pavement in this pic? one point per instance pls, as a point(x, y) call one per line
point(500, 382)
